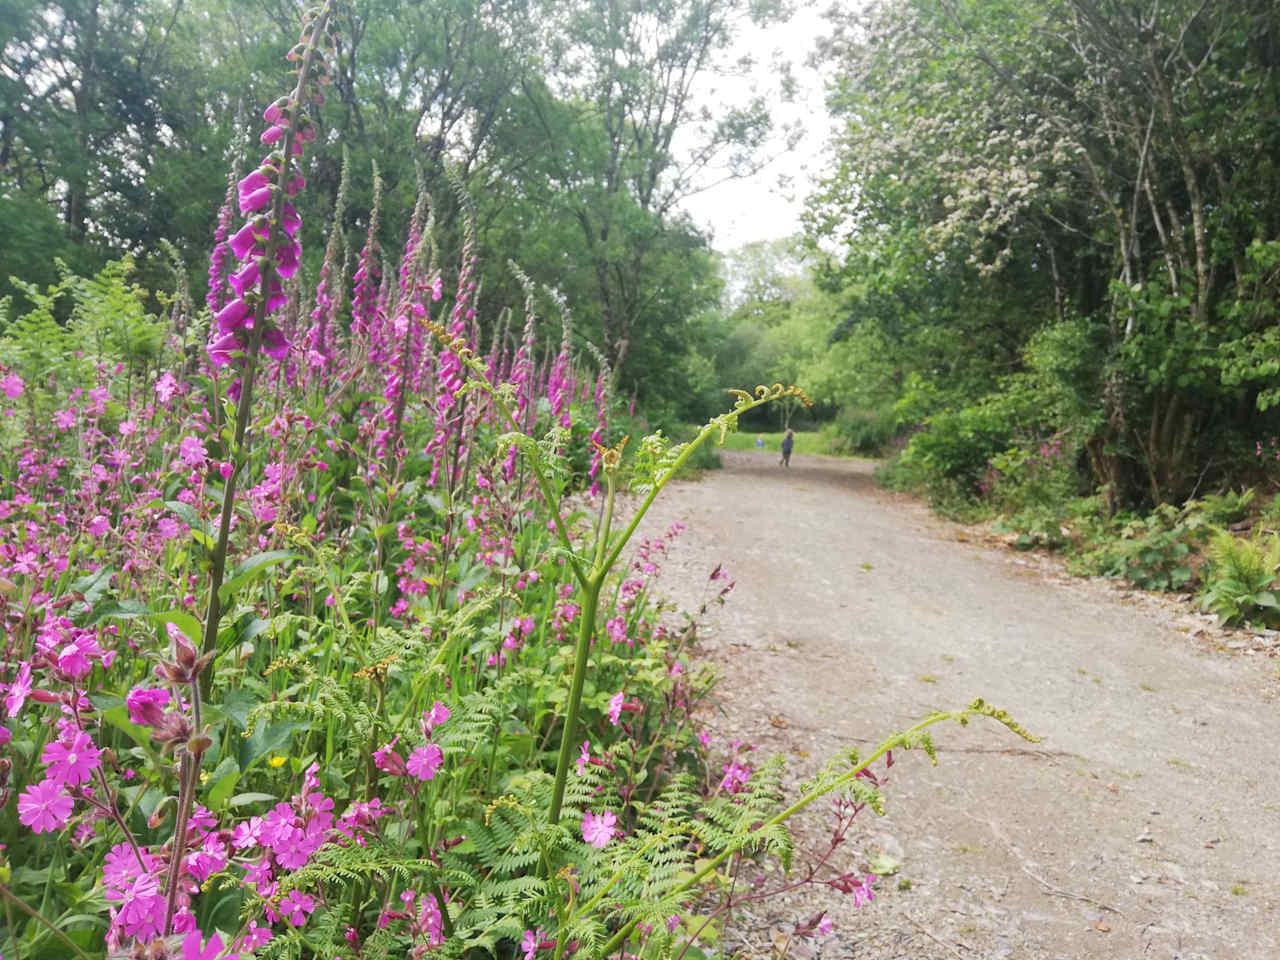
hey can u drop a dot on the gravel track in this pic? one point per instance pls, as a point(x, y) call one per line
point(1145, 824)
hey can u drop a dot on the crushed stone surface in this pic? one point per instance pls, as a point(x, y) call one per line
point(1145, 823)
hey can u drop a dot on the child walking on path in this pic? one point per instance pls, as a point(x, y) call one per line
point(788, 443)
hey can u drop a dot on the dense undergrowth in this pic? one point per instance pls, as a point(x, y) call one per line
point(324, 636)
point(1222, 547)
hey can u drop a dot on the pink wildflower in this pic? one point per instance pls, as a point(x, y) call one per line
point(295, 906)
point(387, 760)
point(615, 708)
point(584, 757)
point(437, 715)
point(191, 949)
point(99, 525)
point(44, 807)
point(735, 778)
point(19, 690)
point(532, 942)
point(425, 761)
point(12, 386)
point(72, 760)
point(192, 452)
point(598, 830)
point(146, 705)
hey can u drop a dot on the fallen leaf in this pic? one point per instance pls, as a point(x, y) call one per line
point(1101, 926)
point(883, 865)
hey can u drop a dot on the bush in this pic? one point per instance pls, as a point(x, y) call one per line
point(865, 432)
point(957, 445)
point(1153, 552)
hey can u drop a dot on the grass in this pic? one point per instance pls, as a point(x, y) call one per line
point(809, 443)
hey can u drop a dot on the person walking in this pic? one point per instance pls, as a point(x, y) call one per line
point(788, 444)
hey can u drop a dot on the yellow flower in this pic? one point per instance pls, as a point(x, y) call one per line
point(277, 762)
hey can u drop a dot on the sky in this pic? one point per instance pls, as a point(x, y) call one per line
point(768, 205)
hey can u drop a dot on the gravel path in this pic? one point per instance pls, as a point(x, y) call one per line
point(1147, 822)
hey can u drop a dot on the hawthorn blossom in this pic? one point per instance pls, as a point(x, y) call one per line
point(598, 830)
point(44, 806)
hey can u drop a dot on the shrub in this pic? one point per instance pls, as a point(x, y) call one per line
point(957, 445)
point(1153, 552)
point(865, 432)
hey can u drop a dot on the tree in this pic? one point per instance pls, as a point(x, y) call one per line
point(1040, 162)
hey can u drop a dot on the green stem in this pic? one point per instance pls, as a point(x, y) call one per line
point(586, 630)
point(10, 898)
point(901, 740)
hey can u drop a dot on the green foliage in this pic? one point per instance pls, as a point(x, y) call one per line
point(1040, 526)
point(957, 445)
point(868, 433)
point(1240, 578)
point(1153, 552)
point(1222, 509)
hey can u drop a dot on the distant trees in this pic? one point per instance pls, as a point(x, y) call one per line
point(577, 127)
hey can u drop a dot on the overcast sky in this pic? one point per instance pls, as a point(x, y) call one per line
point(769, 204)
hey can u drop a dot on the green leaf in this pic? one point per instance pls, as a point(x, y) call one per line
point(244, 799)
point(133, 610)
point(251, 569)
point(118, 717)
point(224, 779)
point(883, 865)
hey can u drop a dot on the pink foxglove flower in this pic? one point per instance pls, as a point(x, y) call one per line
point(598, 830)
